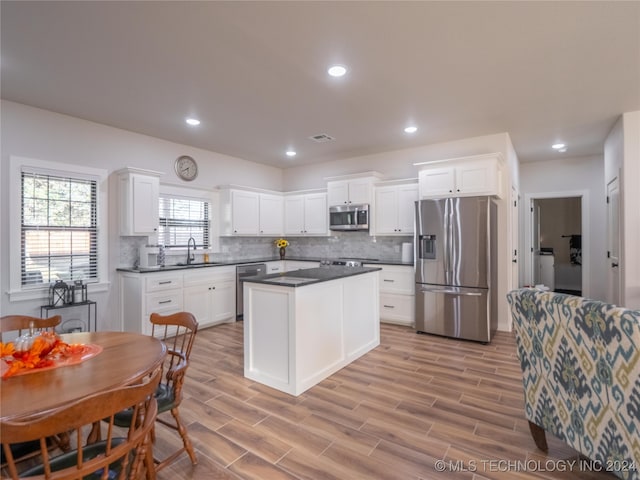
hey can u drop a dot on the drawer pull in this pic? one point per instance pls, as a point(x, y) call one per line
point(389, 306)
point(165, 282)
point(164, 301)
point(387, 280)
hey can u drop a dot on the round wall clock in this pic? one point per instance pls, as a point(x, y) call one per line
point(186, 168)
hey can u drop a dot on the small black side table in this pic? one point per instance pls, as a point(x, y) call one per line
point(44, 311)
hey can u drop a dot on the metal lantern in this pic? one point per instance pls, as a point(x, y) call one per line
point(80, 292)
point(58, 293)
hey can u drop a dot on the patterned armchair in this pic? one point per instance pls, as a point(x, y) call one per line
point(580, 364)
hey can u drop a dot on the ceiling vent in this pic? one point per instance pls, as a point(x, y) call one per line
point(321, 138)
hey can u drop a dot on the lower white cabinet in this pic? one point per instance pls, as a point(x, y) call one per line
point(142, 295)
point(397, 294)
point(208, 293)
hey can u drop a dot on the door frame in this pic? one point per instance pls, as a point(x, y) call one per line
point(528, 253)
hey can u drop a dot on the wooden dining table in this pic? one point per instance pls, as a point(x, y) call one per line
point(124, 358)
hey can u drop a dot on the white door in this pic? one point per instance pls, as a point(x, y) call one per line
point(386, 210)
point(245, 208)
point(515, 281)
point(271, 214)
point(407, 196)
point(316, 214)
point(535, 251)
point(613, 241)
point(294, 215)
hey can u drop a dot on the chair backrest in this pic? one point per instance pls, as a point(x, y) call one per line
point(21, 323)
point(104, 458)
point(178, 332)
point(580, 361)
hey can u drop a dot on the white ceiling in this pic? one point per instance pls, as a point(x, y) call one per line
point(254, 73)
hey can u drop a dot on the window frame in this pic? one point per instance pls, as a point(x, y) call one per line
point(17, 291)
point(212, 197)
point(161, 239)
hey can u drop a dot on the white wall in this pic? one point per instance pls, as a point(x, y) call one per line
point(622, 153)
point(398, 164)
point(572, 174)
point(44, 135)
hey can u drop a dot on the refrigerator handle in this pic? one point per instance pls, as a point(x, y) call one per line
point(451, 292)
point(446, 256)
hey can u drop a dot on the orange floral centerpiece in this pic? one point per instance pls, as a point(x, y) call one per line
point(35, 351)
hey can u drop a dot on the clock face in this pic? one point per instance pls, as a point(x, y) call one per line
point(186, 168)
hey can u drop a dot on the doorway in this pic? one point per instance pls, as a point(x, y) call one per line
point(556, 236)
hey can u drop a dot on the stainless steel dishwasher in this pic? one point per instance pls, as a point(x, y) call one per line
point(243, 271)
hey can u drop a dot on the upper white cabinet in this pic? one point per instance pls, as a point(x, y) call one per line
point(247, 213)
point(271, 214)
point(306, 214)
point(394, 209)
point(460, 177)
point(352, 190)
point(138, 191)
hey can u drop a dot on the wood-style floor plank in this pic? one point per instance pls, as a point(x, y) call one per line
point(396, 413)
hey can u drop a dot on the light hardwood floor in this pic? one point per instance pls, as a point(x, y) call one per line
point(392, 414)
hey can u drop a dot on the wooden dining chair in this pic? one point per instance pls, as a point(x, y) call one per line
point(178, 332)
point(21, 323)
point(121, 455)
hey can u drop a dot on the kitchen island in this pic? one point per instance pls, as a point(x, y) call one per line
point(302, 326)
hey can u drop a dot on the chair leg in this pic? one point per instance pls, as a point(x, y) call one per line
point(539, 436)
point(185, 436)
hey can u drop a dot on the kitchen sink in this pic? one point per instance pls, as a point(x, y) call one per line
point(289, 280)
point(197, 264)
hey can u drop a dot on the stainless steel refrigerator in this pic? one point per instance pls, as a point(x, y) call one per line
point(455, 243)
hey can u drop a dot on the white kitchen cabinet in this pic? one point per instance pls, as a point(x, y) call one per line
point(397, 294)
point(290, 265)
point(271, 214)
point(209, 294)
point(394, 209)
point(354, 191)
point(142, 295)
point(248, 213)
point(469, 176)
point(275, 267)
point(306, 214)
point(138, 193)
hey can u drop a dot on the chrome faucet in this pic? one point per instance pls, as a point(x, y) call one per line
point(190, 256)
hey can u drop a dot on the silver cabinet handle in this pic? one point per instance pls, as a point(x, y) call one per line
point(450, 292)
point(165, 282)
point(387, 280)
point(389, 306)
point(164, 301)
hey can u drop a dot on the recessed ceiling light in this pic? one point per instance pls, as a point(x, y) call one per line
point(337, 70)
point(558, 146)
point(291, 153)
point(411, 129)
point(193, 121)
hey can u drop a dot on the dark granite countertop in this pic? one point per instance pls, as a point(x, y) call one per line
point(309, 276)
point(245, 261)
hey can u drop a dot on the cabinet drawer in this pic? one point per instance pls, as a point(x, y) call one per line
point(397, 280)
point(164, 302)
point(158, 283)
point(209, 275)
point(397, 308)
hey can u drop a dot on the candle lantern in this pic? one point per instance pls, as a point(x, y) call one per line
point(80, 292)
point(58, 293)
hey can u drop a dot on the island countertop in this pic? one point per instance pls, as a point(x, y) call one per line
point(309, 276)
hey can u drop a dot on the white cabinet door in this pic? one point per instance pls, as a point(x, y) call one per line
point(223, 300)
point(315, 214)
point(436, 182)
point(271, 214)
point(407, 197)
point(360, 191)
point(338, 193)
point(294, 207)
point(386, 210)
point(139, 207)
point(245, 208)
point(477, 178)
point(275, 267)
point(197, 300)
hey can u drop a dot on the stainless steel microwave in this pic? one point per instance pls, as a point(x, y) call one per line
point(349, 217)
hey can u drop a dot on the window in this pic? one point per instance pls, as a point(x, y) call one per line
point(57, 226)
point(182, 218)
point(59, 229)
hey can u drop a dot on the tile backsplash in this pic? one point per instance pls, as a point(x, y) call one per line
point(339, 244)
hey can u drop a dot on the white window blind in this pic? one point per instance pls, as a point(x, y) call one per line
point(182, 218)
point(59, 229)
